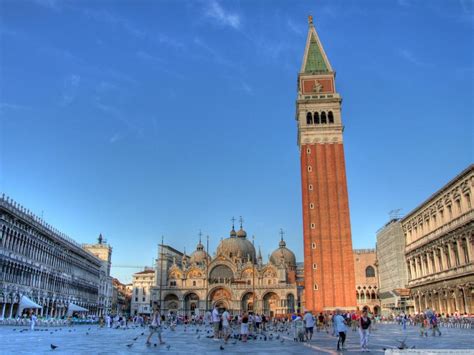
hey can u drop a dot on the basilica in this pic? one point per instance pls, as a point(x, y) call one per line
point(235, 278)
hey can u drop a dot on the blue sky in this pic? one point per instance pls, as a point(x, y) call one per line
point(150, 118)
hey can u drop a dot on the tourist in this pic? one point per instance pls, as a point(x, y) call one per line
point(321, 322)
point(309, 325)
point(216, 319)
point(354, 321)
point(364, 326)
point(226, 325)
point(340, 329)
point(155, 327)
point(264, 323)
point(108, 321)
point(258, 322)
point(298, 328)
point(33, 320)
point(424, 325)
point(244, 327)
point(434, 325)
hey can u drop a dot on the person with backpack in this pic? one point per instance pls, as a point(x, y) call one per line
point(364, 326)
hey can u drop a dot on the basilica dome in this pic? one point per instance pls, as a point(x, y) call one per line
point(283, 253)
point(238, 246)
point(199, 255)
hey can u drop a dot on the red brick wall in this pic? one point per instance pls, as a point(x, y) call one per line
point(332, 234)
point(327, 85)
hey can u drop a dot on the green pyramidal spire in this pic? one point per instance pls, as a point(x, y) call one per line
point(315, 60)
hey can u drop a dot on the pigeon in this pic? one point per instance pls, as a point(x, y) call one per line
point(129, 345)
point(278, 336)
point(142, 334)
point(89, 329)
point(234, 342)
point(135, 339)
point(282, 340)
point(154, 344)
point(87, 333)
point(53, 346)
point(222, 348)
point(168, 347)
point(14, 329)
point(50, 332)
point(198, 337)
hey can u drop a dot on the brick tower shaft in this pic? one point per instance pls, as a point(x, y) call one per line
point(328, 263)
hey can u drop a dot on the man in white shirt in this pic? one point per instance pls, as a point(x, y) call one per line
point(215, 322)
point(309, 324)
point(225, 325)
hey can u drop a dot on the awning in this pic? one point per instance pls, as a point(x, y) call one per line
point(75, 308)
point(25, 302)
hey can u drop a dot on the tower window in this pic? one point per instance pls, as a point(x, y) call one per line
point(310, 187)
point(316, 118)
point(313, 226)
point(330, 117)
point(308, 150)
point(323, 118)
point(315, 266)
point(311, 205)
point(309, 118)
point(313, 245)
point(310, 169)
point(315, 287)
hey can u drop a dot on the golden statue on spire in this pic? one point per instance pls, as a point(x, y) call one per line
point(310, 19)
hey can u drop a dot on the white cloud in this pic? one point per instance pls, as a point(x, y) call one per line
point(216, 12)
point(114, 138)
point(7, 106)
point(70, 88)
point(51, 4)
point(409, 56)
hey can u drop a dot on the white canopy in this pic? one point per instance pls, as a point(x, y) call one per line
point(25, 302)
point(75, 308)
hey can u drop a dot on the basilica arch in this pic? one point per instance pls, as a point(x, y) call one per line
point(220, 297)
point(221, 273)
point(270, 303)
point(247, 302)
point(191, 302)
point(171, 303)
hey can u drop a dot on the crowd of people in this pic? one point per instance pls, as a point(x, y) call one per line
point(301, 326)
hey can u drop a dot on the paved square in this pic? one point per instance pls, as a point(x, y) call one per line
point(84, 339)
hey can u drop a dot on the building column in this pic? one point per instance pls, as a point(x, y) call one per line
point(444, 262)
point(3, 309)
point(11, 310)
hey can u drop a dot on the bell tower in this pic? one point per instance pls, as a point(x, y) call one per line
point(328, 263)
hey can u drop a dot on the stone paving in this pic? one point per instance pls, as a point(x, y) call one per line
point(84, 339)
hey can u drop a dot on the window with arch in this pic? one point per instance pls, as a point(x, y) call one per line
point(330, 117)
point(248, 282)
point(316, 118)
point(369, 271)
point(323, 118)
point(315, 287)
point(194, 283)
point(308, 150)
point(311, 205)
point(310, 169)
point(309, 118)
point(313, 226)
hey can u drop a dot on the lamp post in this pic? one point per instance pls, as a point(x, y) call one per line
point(161, 271)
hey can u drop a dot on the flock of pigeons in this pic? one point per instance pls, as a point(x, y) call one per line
point(272, 334)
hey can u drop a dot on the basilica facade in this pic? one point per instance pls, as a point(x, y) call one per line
point(235, 278)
